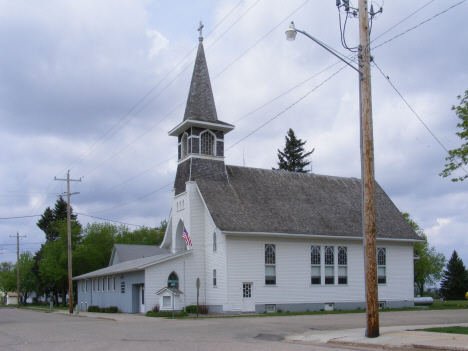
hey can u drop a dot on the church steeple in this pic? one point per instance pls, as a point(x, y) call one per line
point(201, 134)
point(200, 101)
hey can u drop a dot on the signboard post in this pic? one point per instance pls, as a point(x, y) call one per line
point(198, 292)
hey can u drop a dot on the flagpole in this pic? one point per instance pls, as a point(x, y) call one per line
point(188, 242)
point(185, 292)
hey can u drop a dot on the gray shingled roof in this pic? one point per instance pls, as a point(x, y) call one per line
point(131, 266)
point(126, 252)
point(270, 201)
point(200, 101)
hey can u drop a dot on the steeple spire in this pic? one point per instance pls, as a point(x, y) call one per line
point(200, 101)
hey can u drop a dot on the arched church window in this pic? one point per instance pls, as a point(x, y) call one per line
point(173, 281)
point(184, 145)
point(207, 142)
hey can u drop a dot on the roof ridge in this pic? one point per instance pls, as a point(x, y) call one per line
point(298, 173)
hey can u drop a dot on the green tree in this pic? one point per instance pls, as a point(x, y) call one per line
point(53, 269)
point(95, 249)
point(293, 157)
point(454, 284)
point(50, 217)
point(49, 223)
point(7, 277)
point(459, 157)
point(143, 235)
point(28, 281)
point(430, 264)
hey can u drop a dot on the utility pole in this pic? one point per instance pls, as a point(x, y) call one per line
point(70, 284)
point(17, 267)
point(368, 177)
point(367, 151)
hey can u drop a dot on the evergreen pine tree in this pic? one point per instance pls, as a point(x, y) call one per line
point(454, 284)
point(293, 158)
point(50, 217)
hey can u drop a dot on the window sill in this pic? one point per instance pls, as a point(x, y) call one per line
point(324, 285)
point(270, 285)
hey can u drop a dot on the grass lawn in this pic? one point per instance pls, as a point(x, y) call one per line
point(450, 330)
point(449, 305)
point(44, 307)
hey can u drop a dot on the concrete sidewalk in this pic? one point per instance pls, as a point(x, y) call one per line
point(391, 338)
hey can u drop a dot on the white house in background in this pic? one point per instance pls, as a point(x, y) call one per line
point(11, 298)
point(262, 239)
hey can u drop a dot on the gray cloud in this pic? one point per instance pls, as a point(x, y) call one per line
point(72, 70)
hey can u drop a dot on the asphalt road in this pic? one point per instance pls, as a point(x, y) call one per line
point(35, 330)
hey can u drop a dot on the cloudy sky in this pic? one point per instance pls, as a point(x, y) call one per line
point(94, 86)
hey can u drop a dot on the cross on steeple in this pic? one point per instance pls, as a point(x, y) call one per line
point(200, 30)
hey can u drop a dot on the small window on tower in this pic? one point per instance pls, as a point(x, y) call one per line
point(184, 145)
point(207, 141)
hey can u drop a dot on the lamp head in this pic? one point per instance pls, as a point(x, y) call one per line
point(291, 32)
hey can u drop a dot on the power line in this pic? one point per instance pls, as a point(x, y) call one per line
point(20, 217)
point(142, 197)
point(399, 35)
point(292, 13)
point(414, 112)
point(128, 180)
point(287, 108)
point(82, 157)
point(250, 8)
point(404, 19)
point(268, 102)
point(162, 90)
point(287, 91)
point(109, 220)
point(102, 163)
point(42, 242)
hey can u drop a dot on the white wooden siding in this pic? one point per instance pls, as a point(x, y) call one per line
point(245, 261)
point(192, 215)
point(400, 272)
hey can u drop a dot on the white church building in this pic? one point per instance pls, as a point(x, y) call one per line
point(262, 240)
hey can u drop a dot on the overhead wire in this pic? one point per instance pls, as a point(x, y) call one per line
point(167, 85)
point(288, 91)
point(181, 104)
point(420, 24)
point(110, 220)
point(412, 110)
point(259, 40)
point(134, 177)
point(82, 157)
point(250, 8)
point(404, 19)
point(287, 108)
point(129, 202)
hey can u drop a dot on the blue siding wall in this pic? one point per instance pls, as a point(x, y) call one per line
point(112, 297)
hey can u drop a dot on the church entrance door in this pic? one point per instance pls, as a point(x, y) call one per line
point(248, 301)
point(142, 298)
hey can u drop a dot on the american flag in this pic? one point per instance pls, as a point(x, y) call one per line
point(186, 237)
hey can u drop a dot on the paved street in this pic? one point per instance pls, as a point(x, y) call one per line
point(35, 330)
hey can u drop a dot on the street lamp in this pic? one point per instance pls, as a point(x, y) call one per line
point(367, 163)
point(291, 36)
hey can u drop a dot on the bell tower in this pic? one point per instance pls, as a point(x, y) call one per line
point(200, 135)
